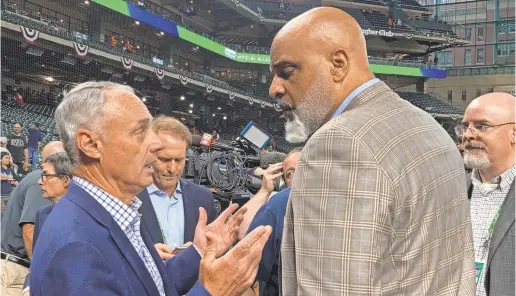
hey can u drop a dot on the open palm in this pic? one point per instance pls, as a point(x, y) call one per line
point(224, 229)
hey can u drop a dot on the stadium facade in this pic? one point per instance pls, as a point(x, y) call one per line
point(484, 65)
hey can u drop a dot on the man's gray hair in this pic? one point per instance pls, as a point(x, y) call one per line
point(61, 163)
point(82, 107)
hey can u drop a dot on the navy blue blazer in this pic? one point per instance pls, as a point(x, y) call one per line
point(41, 216)
point(81, 250)
point(194, 197)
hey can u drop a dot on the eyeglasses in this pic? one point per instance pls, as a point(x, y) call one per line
point(476, 128)
point(45, 177)
point(290, 174)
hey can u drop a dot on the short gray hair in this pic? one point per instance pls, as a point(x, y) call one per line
point(61, 163)
point(82, 107)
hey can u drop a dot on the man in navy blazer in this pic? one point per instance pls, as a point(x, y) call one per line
point(194, 197)
point(92, 242)
point(170, 205)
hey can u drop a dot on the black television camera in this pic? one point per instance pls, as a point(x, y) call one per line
point(227, 169)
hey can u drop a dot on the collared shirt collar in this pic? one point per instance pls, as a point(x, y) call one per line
point(502, 182)
point(352, 95)
point(124, 215)
point(152, 188)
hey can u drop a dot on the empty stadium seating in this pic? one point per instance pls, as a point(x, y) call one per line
point(373, 19)
point(429, 103)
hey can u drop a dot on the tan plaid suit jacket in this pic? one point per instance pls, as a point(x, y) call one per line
point(378, 206)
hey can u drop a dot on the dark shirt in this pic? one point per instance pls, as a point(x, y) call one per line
point(271, 213)
point(6, 186)
point(34, 138)
point(22, 206)
point(16, 145)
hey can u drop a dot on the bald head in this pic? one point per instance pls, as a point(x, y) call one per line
point(498, 104)
point(318, 59)
point(324, 30)
point(51, 149)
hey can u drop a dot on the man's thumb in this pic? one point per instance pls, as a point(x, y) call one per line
point(211, 247)
point(203, 217)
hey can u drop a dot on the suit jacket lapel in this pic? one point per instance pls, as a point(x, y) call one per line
point(191, 213)
point(130, 254)
point(91, 206)
point(505, 220)
point(149, 219)
point(159, 263)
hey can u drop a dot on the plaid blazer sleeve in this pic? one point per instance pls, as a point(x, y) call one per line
point(343, 204)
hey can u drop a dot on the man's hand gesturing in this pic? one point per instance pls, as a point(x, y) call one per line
point(236, 271)
point(224, 229)
point(270, 175)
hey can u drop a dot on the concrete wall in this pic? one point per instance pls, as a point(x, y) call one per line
point(471, 85)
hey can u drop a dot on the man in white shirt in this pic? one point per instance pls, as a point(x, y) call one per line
point(488, 133)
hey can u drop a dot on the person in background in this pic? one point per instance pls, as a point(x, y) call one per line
point(17, 145)
point(3, 145)
point(18, 227)
point(56, 174)
point(8, 174)
point(263, 211)
point(284, 170)
point(367, 214)
point(3, 148)
point(170, 206)
point(488, 132)
point(34, 144)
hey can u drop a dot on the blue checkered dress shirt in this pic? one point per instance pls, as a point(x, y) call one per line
point(128, 218)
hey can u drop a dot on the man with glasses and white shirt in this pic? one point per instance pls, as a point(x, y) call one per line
point(488, 132)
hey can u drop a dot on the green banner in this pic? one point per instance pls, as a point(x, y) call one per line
point(253, 58)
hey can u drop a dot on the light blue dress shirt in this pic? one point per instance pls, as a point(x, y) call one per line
point(352, 95)
point(170, 213)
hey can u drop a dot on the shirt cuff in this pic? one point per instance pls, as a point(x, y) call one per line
point(25, 290)
point(198, 290)
point(197, 250)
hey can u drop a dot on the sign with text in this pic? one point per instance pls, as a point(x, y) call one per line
point(370, 32)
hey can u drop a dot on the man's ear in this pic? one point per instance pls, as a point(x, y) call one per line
point(340, 65)
point(66, 181)
point(89, 143)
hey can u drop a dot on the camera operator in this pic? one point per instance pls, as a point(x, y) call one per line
point(264, 211)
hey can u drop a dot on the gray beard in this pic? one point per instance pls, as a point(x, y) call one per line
point(310, 114)
point(478, 162)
